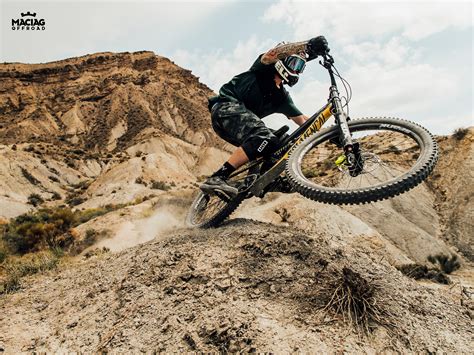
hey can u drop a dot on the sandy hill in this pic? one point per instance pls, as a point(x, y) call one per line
point(119, 128)
point(114, 121)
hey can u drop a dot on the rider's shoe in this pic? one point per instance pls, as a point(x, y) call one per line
point(216, 184)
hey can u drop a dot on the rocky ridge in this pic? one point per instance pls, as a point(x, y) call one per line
point(114, 121)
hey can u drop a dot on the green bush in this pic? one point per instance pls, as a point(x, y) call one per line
point(45, 228)
point(3, 255)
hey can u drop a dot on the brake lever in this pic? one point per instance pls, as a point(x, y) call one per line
point(327, 61)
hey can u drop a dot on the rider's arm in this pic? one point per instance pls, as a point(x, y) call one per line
point(314, 47)
point(283, 51)
point(299, 120)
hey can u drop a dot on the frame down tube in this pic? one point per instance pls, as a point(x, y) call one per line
point(310, 127)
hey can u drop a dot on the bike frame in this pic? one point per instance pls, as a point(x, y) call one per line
point(311, 126)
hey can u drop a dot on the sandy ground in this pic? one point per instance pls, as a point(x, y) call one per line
point(245, 286)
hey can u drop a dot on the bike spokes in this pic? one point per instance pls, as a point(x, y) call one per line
point(377, 157)
point(208, 210)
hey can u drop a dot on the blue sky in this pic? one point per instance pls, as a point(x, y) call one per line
point(412, 60)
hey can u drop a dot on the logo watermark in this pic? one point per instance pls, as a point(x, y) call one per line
point(28, 22)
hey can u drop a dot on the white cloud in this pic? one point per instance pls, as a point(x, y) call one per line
point(387, 80)
point(393, 53)
point(343, 22)
point(217, 67)
point(382, 50)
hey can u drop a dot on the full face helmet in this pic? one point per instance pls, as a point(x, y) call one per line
point(291, 67)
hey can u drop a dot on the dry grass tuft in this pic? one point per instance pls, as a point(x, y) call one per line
point(357, 300)
point(14, 270)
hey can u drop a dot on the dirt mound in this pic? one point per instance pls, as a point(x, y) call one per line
point(244, 287)
point(452, 185)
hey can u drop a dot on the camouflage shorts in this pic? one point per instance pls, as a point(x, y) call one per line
point(239, 126)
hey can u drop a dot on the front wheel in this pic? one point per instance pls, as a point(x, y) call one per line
point(393, 156)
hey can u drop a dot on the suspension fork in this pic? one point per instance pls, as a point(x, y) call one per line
point(351, 149)
point(339, 114)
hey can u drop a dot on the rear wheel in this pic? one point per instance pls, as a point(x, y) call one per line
point(394, 156)
point(209, 211)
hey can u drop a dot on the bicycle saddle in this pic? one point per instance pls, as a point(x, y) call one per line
point(281, 131)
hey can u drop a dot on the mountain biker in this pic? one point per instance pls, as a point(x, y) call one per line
point(237, 111)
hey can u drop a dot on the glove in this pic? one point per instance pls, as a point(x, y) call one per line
point(317, 46)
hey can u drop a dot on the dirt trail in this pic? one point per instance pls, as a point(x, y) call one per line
point(246, 286)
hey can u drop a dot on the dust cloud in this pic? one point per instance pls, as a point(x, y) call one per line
point(163, 220)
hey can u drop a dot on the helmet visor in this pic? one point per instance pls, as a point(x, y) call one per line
point(295, 64)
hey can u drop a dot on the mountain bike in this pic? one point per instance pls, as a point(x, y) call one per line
point(351, 162)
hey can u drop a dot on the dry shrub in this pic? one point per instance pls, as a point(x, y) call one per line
point(82, 185)
point(55, 196)
point(445, 263)
point(159, 185)
point(357, 300)
point(75, 201)
point(35, 199)
point(418, 272)
point(460, 133)
point(29, 177)
point(29, 264)
point(139, 180)
point(96, 252)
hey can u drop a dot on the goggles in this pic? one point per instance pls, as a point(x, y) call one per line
point(295, 64)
